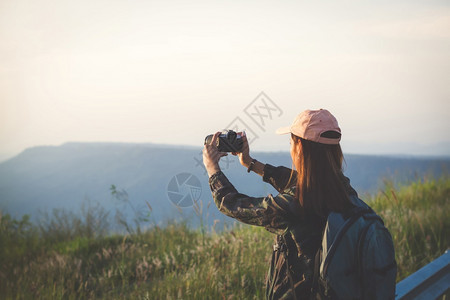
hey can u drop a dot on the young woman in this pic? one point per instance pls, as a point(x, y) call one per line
point(297, 215)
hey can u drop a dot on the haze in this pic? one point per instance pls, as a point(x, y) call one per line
point(174, 71)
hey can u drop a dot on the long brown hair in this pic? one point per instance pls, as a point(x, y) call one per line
point(321, 185)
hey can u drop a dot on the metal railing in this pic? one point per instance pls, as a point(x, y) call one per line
point(430, 282)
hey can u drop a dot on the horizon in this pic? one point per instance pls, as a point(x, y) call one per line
point(194, 147)
point(171, 73)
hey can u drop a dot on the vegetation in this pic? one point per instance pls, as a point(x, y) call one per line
point(417, 217)
point(72, 257)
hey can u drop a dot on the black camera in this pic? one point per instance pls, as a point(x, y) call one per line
point(228, 141)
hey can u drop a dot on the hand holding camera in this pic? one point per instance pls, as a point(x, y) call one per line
point(227, 141)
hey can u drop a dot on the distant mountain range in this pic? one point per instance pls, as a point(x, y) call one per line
point(64, 177)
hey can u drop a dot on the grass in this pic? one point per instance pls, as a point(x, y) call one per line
point(73, 257)
point(417, 217)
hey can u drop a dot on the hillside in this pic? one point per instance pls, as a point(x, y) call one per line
point(43, 178)
point(73, 259)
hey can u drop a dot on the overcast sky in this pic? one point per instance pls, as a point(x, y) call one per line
point(174, 71)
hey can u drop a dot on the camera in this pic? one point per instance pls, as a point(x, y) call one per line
point(228, 141)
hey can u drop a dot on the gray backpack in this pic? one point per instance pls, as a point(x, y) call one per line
point(357, 257)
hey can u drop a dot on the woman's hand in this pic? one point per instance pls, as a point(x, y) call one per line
point(244, 156)
point(211, 156)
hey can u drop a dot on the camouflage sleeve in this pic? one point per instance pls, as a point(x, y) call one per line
point(270, 212)
point(281, 178)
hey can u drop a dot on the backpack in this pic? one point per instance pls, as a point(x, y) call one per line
point(357, 257)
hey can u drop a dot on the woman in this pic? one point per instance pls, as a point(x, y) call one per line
point(297, 215)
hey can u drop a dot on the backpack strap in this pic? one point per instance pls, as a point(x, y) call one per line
point(359, 253)
point(315, 283)
point(288, 270)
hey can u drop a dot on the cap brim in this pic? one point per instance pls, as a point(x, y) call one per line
point(283, 130)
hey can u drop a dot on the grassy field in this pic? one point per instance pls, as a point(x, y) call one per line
point(73, 257)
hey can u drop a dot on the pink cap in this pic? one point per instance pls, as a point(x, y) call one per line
point(312, 124)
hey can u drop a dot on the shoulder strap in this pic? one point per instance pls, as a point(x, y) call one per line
point(288, 270)
point(315, 283)
point(359, 253)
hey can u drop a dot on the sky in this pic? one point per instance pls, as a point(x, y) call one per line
point(172, 72)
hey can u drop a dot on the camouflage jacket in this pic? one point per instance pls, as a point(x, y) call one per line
point(297, 239)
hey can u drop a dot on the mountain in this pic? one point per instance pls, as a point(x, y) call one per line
point(43, 178)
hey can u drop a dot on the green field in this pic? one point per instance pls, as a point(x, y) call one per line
point(73, 257)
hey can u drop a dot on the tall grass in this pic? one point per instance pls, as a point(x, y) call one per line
point(417, 216)
point(72, 257)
